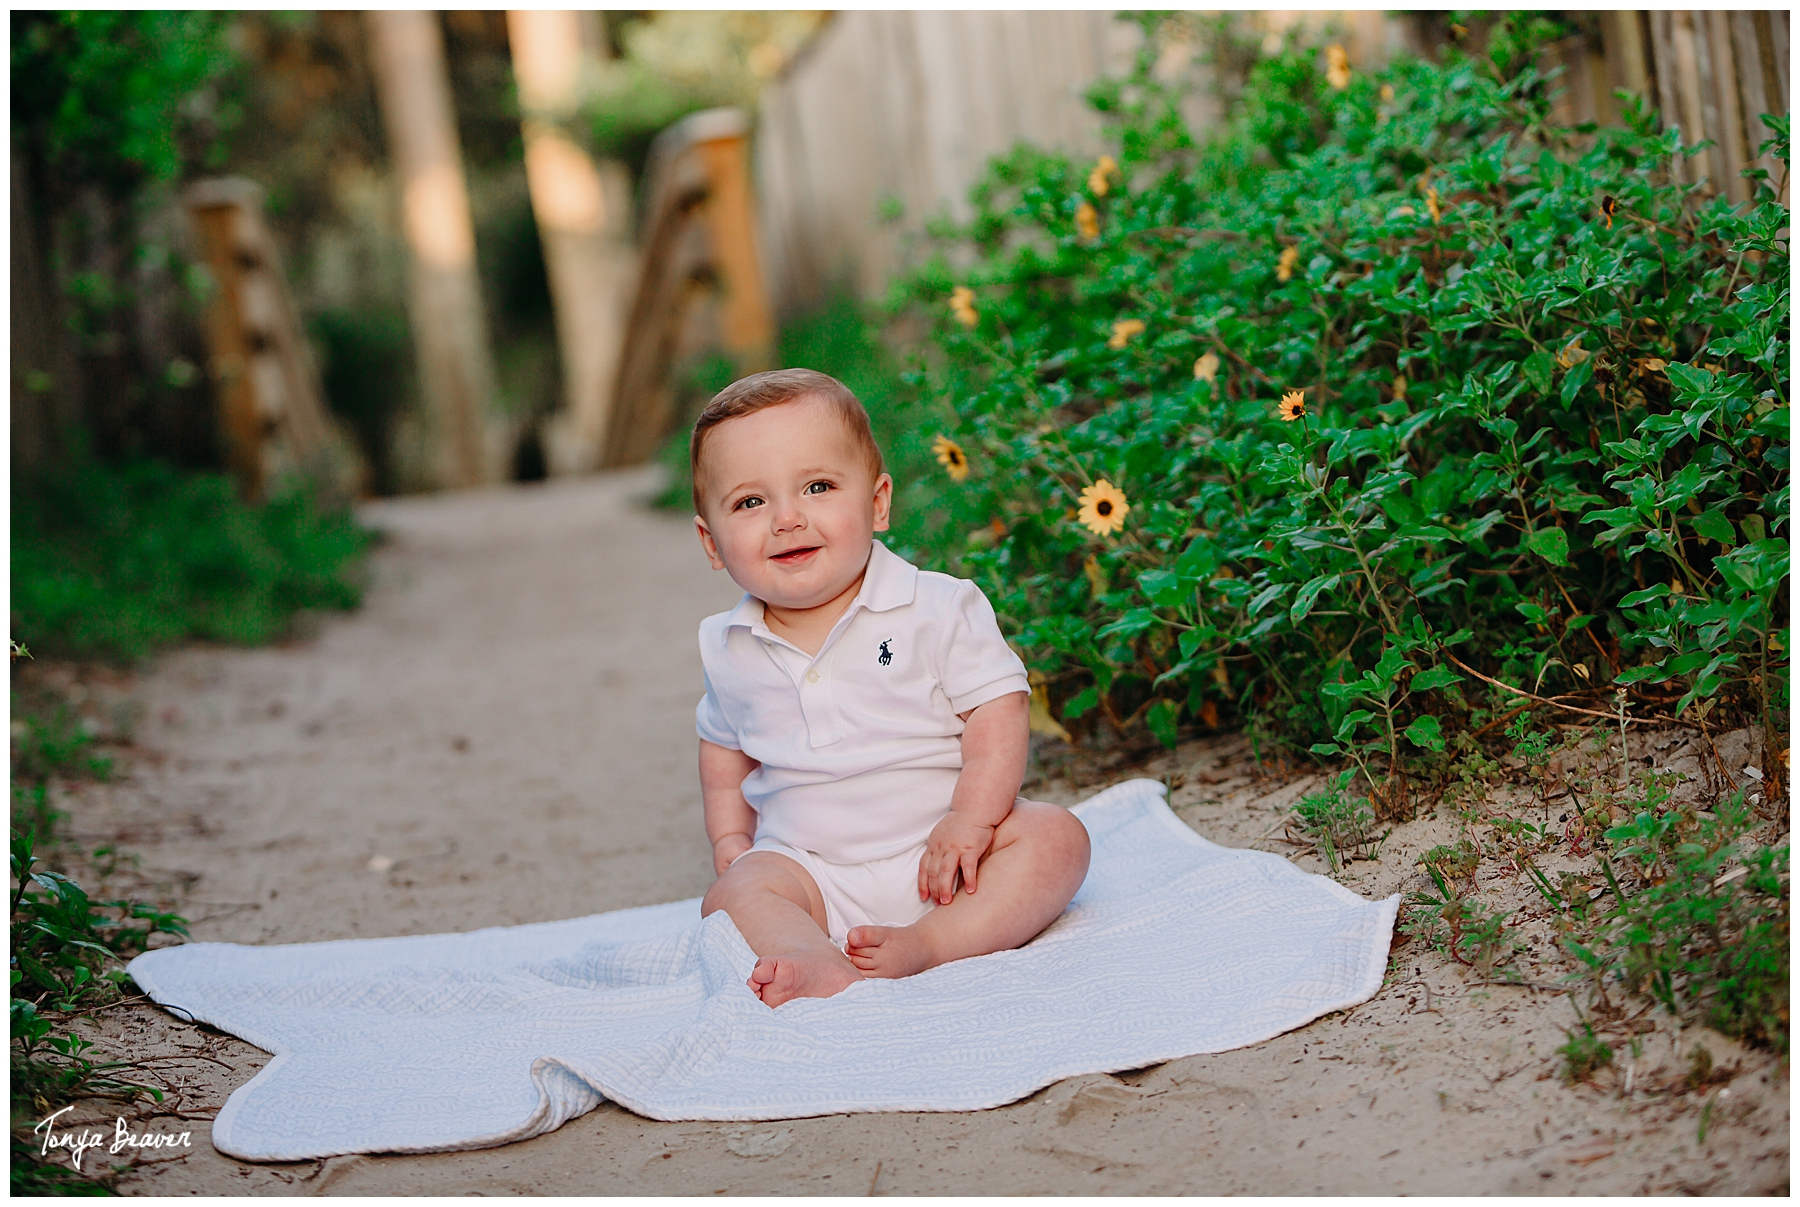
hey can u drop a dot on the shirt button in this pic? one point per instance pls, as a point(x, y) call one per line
point(812, 676)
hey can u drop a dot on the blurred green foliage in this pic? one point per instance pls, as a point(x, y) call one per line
point(120, 96)
point(1539, 435)
point(117, 562)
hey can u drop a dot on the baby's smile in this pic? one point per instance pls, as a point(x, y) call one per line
point(794, 557)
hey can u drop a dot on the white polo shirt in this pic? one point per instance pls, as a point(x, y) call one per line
point(859, 745)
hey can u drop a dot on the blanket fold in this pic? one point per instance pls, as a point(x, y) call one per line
point(1173, 947)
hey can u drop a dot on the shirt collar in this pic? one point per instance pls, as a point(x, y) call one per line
point(889, 582)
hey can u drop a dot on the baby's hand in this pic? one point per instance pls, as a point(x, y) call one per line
point(729, 847)
point(956, 844)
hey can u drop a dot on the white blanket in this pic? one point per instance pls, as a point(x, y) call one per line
point(1174, 946)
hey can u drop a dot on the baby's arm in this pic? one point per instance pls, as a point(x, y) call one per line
point(730, 821)
point(995, 738)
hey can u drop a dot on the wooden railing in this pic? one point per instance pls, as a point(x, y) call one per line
point(700, 284)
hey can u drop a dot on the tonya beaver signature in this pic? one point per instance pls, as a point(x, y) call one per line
point(77, 1143)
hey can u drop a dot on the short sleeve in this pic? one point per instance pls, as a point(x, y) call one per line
point(975, 664)
point(710, 722)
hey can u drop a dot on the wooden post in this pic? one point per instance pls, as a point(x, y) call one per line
point(271, 408)
point(584, 224)
point(748, 328)
point(699, 234)
point(456, 367)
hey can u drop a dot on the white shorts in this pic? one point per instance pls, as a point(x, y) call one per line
point(881, 892)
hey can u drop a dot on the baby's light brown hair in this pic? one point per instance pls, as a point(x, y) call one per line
point(760, 391)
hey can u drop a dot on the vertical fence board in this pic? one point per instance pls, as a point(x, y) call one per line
point(903, 109)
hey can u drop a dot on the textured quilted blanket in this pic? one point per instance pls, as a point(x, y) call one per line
point(1174, 946)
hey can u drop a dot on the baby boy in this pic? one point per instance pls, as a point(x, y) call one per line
point(864, 729)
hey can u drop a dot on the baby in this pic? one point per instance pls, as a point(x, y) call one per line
point(864, 729)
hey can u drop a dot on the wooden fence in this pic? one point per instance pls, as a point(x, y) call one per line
point(888, 118)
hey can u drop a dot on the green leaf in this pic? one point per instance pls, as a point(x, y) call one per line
point(1424, 732)
point(1161, 720)
point(1645, 596)
point(1539, 367)
point(1551, 544)
point(1326, 748)
point(1715, 527)
point(1309, 594)
point(1437, 676)
point(1574, 379)
point(1165, 589)
point(1080, 703)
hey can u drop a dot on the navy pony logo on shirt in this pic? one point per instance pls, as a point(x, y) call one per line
point(887, 655)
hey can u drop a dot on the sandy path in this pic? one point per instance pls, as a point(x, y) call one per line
point(508, 720)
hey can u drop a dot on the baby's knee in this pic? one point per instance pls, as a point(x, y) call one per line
point(1056, 829)
point(729, 890)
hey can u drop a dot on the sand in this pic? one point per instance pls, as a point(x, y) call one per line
point(504, 734)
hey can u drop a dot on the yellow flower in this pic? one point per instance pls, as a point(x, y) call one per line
point(962, 305)
point(1207, 367)
point(1099, 180)
point(1293, 406)
point(1387, 92)
point(1431, 203)
point(1337, 67)
point(1399, 387)
point(1123, 330)
point(1103, 508)
point(1284, 267)
point(1087, 221)
point(951, 457)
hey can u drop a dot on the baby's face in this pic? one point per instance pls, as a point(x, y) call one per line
point(791, 504)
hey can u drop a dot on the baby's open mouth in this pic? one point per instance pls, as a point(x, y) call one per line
point(789, 556)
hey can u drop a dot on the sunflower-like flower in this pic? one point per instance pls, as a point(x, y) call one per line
point(1284, 267)
point(1087, 221)
point(1123, 330)
point(1337, 67)
point(962, 305)
point(951, 457)
point(1103, 508)
point(1100, 179)
point(1293, 406)
point(1207, 367)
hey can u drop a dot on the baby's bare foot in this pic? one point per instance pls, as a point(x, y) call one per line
point(778, 979)
point(889, 951)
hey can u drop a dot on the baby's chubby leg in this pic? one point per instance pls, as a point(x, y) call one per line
point(1038, 860)
point(781, 914)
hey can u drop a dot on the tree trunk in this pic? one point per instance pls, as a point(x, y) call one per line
point(456, 368)
point(584, 224)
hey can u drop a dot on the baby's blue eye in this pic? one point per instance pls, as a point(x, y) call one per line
point(818, 488)
point(747, 501)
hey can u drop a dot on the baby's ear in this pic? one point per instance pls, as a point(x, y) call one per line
point(884, 501)
point(707, 544)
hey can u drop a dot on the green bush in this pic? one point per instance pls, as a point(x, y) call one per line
point(1541, 429)
point(118, 562)
point(1705, 939)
